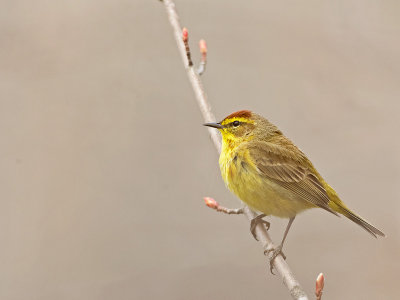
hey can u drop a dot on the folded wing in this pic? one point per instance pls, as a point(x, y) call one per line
point(280, 166)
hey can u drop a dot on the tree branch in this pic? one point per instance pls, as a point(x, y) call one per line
point(279, 263)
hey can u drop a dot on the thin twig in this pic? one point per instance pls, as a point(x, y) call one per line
point(279, 263)
point(203, 62)
point(185, 38)
point(211, 203)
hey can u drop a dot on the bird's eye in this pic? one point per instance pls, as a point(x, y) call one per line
point(236, 123)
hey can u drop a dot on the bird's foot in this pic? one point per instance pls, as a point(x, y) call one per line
point(258, 220)
point(275, 252)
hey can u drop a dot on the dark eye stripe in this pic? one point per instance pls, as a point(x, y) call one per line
point(236, 123)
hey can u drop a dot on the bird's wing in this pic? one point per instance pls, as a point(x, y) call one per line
point(280, 166)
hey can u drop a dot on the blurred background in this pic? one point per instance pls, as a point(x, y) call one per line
point(104, 161)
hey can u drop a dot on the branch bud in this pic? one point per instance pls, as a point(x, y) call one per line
point(319, 286)
point(210, 202)
point(185, 34)
point(203, 47)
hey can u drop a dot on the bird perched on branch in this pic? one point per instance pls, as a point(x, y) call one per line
point(271, 175)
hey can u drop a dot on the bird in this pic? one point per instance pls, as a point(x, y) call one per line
point(269, 173)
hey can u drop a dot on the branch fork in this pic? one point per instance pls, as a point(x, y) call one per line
point(203, 51)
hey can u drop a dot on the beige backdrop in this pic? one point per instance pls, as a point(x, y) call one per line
point(104, 161)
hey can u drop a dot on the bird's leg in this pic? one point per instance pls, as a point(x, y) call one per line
point(278, 250)
point(257, 220)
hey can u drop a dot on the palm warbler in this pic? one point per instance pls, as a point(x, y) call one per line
point(271, 175)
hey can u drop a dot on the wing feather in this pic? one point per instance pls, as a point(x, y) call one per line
point(288, 170)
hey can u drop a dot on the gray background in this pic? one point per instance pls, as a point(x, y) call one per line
point(104, 161)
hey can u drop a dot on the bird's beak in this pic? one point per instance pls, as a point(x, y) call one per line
point(214, 125)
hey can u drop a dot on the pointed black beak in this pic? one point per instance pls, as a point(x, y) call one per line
point(214, 125)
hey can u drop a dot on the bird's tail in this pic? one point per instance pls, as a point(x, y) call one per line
point(360, 221)
point(337, 205)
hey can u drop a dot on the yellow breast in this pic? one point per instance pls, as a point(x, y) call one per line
point(242, 177)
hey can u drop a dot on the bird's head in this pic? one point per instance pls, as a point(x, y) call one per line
point(238, 126)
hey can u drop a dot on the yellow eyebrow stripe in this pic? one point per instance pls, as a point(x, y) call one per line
point(230, 120)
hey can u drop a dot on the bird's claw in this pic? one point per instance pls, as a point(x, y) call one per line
point(258, 220)
point(275, 252)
